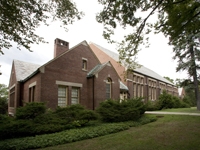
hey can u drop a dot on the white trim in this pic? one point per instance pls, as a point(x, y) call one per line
point(84, 58)
point(69, 83)
point(130, 80)
point(138, 74)
point(32, 84)
point(152, 79)
point(12, 86)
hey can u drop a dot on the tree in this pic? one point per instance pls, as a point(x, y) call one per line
point(177, 19)
point(20, 18)
point(189, 88)
point(3, 99)
point(182, 26)
point(169, 79)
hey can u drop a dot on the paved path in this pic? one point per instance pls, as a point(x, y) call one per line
point(171, 113)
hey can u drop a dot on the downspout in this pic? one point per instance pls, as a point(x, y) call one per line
point(93, 92)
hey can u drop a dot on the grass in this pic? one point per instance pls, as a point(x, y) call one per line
point(186, 110)
point(167, 133)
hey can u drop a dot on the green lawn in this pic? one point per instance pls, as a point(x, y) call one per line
point(167, 133)
point(187, 110)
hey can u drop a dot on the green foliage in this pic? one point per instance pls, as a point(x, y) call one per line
point(69, 136)
point(177, 20)
point(30, 111)
point(3, 99)
point(76, 114)
point(20, 18)
point(166, 101)
point(33, 119)
point(169, 79)
point(114, 111)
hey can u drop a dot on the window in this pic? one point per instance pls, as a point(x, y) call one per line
point(134, 89)
point(108, 88)
point(138, 95)
point(134, 78)
point(138, 79)
point(62, 96)
point(84, 64)
point(142, 80)
point(75, 95)
point(150, 94)
point(32, 94)
point(142, 91)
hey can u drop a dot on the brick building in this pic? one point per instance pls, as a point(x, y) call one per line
point(142, 82)
point(85, 74)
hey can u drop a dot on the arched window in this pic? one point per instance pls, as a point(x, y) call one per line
point(108, 88)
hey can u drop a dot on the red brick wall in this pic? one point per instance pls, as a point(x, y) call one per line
point(100, 85)
point(68, 68)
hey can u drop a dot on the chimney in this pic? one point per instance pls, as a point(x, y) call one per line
point(60, 47)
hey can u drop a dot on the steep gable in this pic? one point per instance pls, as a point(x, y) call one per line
point(24, 69)
point(106, 55)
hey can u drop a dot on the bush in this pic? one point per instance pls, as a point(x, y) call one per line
point(114, 111)
point(166, 101)
point(77, 115)
point(33, 119)
point(152, 105)
point(69, 136)
point(3, 106)
point(30, 110)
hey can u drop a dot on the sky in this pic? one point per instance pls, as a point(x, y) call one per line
point(158, 57)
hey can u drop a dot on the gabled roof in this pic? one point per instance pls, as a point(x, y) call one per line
point(96, 69)
point(142, 70)
point(123, 86)
point(24, 69)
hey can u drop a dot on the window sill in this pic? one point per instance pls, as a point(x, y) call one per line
point(84, 70)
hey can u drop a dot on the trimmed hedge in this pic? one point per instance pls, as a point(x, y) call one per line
point(116, 111)
point(69, 136)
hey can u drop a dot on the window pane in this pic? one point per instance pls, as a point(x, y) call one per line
point(61, 101)
point(62, 96)
point(61, 91)
point(107, 90)
point(75, 96)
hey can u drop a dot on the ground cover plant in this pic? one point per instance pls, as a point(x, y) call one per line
point(71, 135)
point(167, 133)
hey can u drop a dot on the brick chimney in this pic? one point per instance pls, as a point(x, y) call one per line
point(60, 47)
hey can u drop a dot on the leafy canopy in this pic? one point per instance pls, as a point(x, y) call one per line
point(177, 19)
point(20, 18)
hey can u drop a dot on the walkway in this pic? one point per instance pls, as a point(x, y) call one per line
point(171, 113)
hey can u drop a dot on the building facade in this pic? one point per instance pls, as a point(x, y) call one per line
point(85, 74)
point(73, 76)
point(142, 82)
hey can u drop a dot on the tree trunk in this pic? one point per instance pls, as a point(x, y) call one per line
point(194, 74)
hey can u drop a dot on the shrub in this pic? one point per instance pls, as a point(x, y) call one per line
point(166, 101)
point(33, 119)
point(152, 105)
point(69, 136)
point(114, 111)
point(30, 110)
point(77, 115)
point(3, 106)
